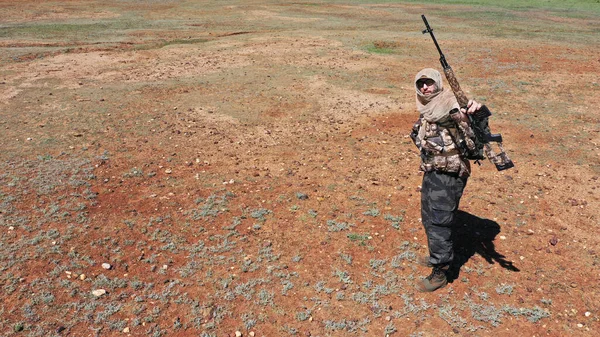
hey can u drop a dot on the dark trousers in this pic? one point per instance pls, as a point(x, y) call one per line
point(440, 197)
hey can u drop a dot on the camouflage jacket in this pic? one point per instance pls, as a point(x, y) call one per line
point(438, 147)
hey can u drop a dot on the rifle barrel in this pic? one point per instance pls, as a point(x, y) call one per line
point(443, 61)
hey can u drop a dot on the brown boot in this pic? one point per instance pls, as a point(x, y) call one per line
point(436, 280)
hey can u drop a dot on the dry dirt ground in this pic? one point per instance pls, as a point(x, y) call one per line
point(245, 166)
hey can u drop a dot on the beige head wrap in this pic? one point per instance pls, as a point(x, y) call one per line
point(436, 106)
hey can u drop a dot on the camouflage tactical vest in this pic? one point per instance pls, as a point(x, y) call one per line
point(439, 149)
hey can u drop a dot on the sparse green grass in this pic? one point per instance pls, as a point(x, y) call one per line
point(360, 238)
point(378, 49)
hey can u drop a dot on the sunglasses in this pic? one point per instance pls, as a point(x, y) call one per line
point(422, 82)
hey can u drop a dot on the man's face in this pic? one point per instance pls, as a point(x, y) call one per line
point(427, 86)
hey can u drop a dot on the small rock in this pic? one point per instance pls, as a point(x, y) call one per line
point(301, 196)
point(11, 228)
point(98, 292)
point(587, 314)
point(573, 285)
point(126, 330)
point(251, 333)
point(168, 171)
point(579, 325)
point(238, 334)
point(82, 277)
point(60, 329)
point(106, 266)
point(502, 237)
point(553, 241)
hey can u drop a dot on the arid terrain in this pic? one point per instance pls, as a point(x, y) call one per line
point(194, 168)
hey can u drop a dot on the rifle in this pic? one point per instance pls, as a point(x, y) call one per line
point(478, 121)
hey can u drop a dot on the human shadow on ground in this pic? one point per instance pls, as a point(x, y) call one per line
point(472, 234)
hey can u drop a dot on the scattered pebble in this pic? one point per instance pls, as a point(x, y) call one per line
point(587, 314)
point(168, 171)
point(106, 266)
point(82, 277)
point(98, 292)
point(502, 237)
point(238, 334)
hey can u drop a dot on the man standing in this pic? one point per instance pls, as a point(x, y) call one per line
point(445, 169)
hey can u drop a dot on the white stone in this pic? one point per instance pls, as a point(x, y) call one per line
point(126, 330)
point(106, 266)
point(98, 292)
